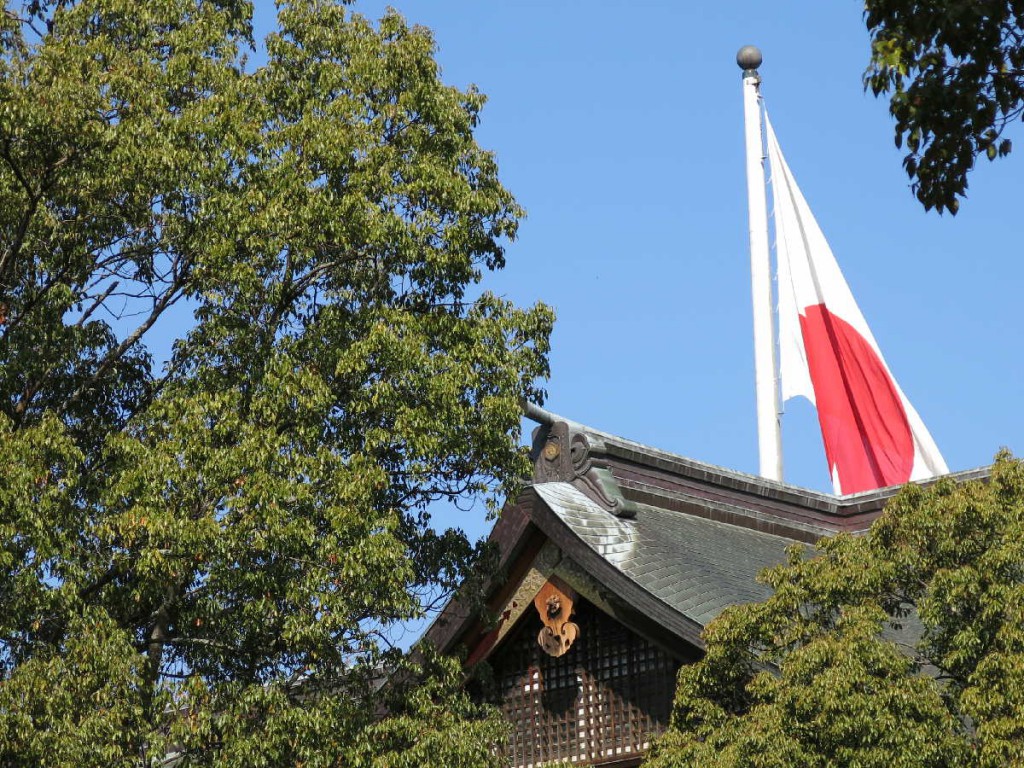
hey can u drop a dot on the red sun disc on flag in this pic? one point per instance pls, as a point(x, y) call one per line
point(863, 422)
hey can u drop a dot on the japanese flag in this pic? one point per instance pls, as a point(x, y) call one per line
point(873, 436)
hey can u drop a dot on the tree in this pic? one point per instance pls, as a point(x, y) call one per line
point(954, 72)
point(903, 647)
point(204, 558)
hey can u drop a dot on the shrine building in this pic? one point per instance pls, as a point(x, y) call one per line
point(612, 561)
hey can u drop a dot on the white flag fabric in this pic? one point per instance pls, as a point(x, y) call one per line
point(873, 436)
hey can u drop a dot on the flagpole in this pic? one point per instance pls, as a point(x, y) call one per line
point(769, 430)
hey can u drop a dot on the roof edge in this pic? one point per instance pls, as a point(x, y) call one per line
point(645, 455)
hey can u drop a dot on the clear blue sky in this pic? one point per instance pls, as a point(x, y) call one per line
point(618, 125)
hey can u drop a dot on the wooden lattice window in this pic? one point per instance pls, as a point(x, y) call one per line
point(603, 701)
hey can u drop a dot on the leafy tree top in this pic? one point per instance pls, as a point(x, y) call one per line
point(903, 647)
point(954, 73)
point(181, 546)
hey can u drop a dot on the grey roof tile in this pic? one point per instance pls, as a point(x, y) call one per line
point(697, 566)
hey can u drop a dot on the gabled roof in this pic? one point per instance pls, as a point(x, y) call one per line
point(696, 566)
point(664, 542)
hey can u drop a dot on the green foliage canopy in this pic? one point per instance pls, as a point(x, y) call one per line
point(187, 553)
point(902, 648)
point(954, 72)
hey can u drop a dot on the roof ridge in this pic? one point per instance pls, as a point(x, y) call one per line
point(641, 450)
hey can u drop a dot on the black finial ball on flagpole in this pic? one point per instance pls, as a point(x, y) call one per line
point(749, 57)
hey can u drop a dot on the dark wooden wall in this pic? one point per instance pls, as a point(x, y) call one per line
point(602, 702)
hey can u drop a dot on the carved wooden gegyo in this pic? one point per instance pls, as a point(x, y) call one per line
point(554, 602)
